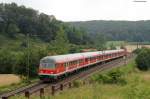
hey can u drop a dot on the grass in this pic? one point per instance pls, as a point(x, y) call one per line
point(129, 45)
point(13, 82)
point(137, 87)
point(7, 79)
point(131, 48)
point(115, 43)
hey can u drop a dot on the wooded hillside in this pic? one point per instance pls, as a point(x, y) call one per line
point(136, 31)
point(26, 36)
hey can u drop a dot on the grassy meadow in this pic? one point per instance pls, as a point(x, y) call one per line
point(7, 79)
point(135, 85)
point(9, 82)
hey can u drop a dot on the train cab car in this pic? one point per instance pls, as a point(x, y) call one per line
point(53, 66)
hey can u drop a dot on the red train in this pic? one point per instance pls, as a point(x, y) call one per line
point(52, 67)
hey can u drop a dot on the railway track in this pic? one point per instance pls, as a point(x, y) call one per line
point(67, 82)
point(20, 90)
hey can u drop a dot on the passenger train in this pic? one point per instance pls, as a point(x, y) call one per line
point(52, 67)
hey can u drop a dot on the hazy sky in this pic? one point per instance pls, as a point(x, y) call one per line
point(82, 10)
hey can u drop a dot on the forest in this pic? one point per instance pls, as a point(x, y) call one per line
point(133, 31)
point(27, 35)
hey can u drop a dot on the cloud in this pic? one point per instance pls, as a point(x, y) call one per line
point(81, 10)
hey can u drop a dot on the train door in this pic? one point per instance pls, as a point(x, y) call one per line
point(86, 60)
point(81, 62)
point(60, 67)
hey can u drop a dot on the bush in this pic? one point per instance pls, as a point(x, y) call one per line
point(113, 77)
point(7, 61)
point(143, 59)
point(137, 51)
point(116, 77)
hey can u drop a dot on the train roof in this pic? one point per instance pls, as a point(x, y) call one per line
point(63, 58)
point(112, 51)
point(71, 57)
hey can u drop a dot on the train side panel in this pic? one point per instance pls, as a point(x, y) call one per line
point(64, 67)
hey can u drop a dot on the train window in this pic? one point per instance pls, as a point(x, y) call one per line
point(97, 57)
point(90, 58)
point(86, 59)
point(75, 62)
point(50, 65)
point(80, 61)
point(47, 65)
point(70, 63)
point(101, 57)
point(65, 64)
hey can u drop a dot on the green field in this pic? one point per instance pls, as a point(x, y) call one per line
point(135, 85)
point(115, 43)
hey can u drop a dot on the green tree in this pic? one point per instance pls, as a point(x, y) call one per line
point(99, 41)
point(112, 46)
point(143, 59)
point(29, 60)
point(12, 29)
point(60, 45)
point(7, 61)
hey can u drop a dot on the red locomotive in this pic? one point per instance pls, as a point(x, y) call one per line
point(52, 67)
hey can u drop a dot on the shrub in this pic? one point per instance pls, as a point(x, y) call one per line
point(113, 77)
point(143, 59)
point(7, 60)
point(137, 51)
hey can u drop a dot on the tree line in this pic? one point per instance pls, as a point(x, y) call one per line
point(16, 19)
point(133, 31)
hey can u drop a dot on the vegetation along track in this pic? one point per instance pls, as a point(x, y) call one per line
point(55, 86)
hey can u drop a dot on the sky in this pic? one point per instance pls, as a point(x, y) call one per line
point(84, 10)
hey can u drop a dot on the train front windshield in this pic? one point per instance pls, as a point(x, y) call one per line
point(47, 65)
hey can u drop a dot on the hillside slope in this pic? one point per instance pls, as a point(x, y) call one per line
point(117, 30)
